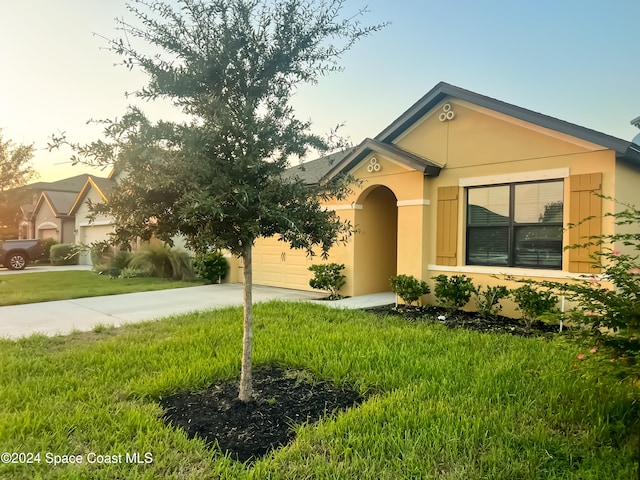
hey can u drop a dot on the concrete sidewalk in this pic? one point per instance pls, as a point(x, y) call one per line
point(83, 314)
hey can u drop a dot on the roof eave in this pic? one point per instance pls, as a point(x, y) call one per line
point(426, 167)
point(443, 90)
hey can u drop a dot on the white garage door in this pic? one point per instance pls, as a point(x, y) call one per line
point(45, 233)
point(90, 234)
point(277, 265)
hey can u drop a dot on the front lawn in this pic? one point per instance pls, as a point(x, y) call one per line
point(439, 403)
point(46, 286)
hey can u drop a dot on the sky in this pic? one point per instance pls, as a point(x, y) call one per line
point(576, 60)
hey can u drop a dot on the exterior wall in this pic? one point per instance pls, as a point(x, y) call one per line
point(627, 188)
point(476, 147)
point(47, 224)
point(480, 147)
point(68, 230)
point(88, 232)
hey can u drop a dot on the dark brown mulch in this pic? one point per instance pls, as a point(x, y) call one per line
point(468, 320)
point(247, 431)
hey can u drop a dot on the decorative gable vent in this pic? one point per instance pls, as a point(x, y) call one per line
point(447, 114)
point(373, 166)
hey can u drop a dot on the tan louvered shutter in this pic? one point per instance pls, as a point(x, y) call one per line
point(584, 204)
point(447, 229)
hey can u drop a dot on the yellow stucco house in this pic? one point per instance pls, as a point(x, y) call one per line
point(462, 183)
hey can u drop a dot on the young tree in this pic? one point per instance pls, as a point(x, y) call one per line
point(232, 66)
point(15, 171)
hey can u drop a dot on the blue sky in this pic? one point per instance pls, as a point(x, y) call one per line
point(575, 60)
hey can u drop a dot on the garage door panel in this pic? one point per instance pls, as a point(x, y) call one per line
point(275, 264)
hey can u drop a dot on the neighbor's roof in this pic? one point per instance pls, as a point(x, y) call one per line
point(103, 186)
point(312, 172)
point(59, 202)
point(71, 184)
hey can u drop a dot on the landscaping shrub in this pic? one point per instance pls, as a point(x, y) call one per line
point(47, 243)
point(453, 292)
point(101, 254)
point(211, 266)
point(614, 306)
point(63, 254)
point(133, 273)
point(162, 262)
point(328, 277)
point(535, 304)
point(409, 288)
point(488, 300)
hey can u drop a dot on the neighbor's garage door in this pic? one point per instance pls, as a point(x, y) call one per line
point(90, 234)
point(277, 265)
point(45, 233)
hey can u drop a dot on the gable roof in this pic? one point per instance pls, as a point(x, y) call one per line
point(624, 149)
point(411, 160)
point(327, 167)
point(101, 185)
point(59, 202)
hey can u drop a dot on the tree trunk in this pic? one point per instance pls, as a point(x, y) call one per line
point(246, 376)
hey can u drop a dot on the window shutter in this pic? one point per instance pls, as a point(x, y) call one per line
point(447, 228)
point(584, 204)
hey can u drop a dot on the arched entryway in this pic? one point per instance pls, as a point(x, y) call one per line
point(376, 240)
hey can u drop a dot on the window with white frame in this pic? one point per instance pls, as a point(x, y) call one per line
point(515, 225)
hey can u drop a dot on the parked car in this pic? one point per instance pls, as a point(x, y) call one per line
point(16, 254)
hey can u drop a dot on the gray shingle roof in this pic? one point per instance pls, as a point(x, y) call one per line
point(313, 171)
point(60, 201)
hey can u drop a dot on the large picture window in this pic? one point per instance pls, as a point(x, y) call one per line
point(515, 225)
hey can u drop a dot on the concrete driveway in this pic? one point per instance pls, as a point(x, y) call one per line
point(83, 314)
point(43, 268)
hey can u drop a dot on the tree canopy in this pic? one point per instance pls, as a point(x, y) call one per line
point(15, 167)
point(15, 171)
point(232, 67)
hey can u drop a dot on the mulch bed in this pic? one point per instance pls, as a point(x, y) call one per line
point(283, 398)
point(247, 431)
point(467, 320)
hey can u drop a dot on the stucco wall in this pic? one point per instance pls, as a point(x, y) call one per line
point(46, 220)
point(476, 147)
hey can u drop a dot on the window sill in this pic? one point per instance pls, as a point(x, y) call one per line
point(513, 271)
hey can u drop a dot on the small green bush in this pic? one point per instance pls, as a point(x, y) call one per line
point(409, 288)
point(535, 304)
point(211, 266)
point(453, 292)
point(47, 243)
point(488, 300)
point(63, 254)
point(328, 277)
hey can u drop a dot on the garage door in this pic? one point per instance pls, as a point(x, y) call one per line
point(45, 233)
point(92, 233)
point(277, 265)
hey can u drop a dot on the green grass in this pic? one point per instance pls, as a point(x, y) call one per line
point(46, 286)
point(442, 404)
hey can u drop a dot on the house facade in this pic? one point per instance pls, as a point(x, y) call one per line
point(89, 230)
point(51, 218)
point(466, 184)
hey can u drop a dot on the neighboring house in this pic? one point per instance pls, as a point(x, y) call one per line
point(51, 217)
point(87, 230)
point(465, 184)
point(31, 194)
